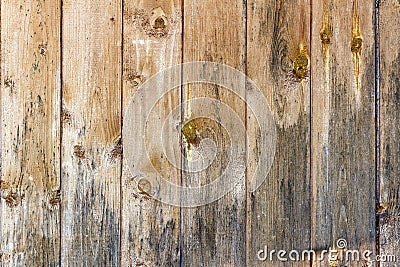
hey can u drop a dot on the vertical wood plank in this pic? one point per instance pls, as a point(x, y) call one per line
point(30, 134)
point(152, 42)
point(343, 123)
point(278, 62)
point(389, 207)
point(213, 234)
point(91, 121)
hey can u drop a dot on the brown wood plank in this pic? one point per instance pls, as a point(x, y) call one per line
point(343, 125)
point(389, 207)
point(214, 234)
point(30, 110)
point(91, 121)
point(152, 42)
point(278, 57)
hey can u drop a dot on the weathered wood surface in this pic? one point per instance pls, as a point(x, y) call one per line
point(389, 171)
point(152, 42)
point(70, 69)
point(343, 125)
point(30, 133)
point(277, 47)
point(214, 234)
point(91, 129)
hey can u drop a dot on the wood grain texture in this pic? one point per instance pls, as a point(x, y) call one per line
point(279, 211)
point(70, 70)
point(91, 129)
point(343, 125)
point(30, 111)
point(152, 42)
point(214, 234)
point(389, 205)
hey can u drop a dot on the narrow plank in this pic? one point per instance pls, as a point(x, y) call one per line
point(278, 62)
point(91, 129)
point(389, 207)
point(152, 42)
point(30, 134)
point(343, 126)
point(214, 234)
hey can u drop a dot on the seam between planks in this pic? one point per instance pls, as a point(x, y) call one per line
point(377, 126)
point(1, 127)
point(311, 188)
point(61, 124)
point(121, 127)
point(247, 193)
point(182, 95)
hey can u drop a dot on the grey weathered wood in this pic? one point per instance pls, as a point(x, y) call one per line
point(343, 125)
point(322, 184)
point(91, 128)
point(152, 42)
point(278, 44)
point(30, 133)
point(389, 183)
point(214, 234)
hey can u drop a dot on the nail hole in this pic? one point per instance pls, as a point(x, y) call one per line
point(159, 23)
point(136, 82)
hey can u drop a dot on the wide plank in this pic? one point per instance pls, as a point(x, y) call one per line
point(214, 234)
point(278, 57)
point(91, 130)
point(343, 128)
point(389, 172)
point(30, 133)
point(152, 42)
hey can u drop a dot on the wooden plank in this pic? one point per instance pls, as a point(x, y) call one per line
point(30, 134)
point(91, 126)
point(152, 42)
point(213, 234)
point(343, 126)
point(278, 62)
point(389, 183)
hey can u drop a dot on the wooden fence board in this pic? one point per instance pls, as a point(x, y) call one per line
point(343, 125)
point(152, 42)
point(278, 61)
point(70, 195)
point(30, 134)
point(91, 128)
point(213, 234)
point(389, 184)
